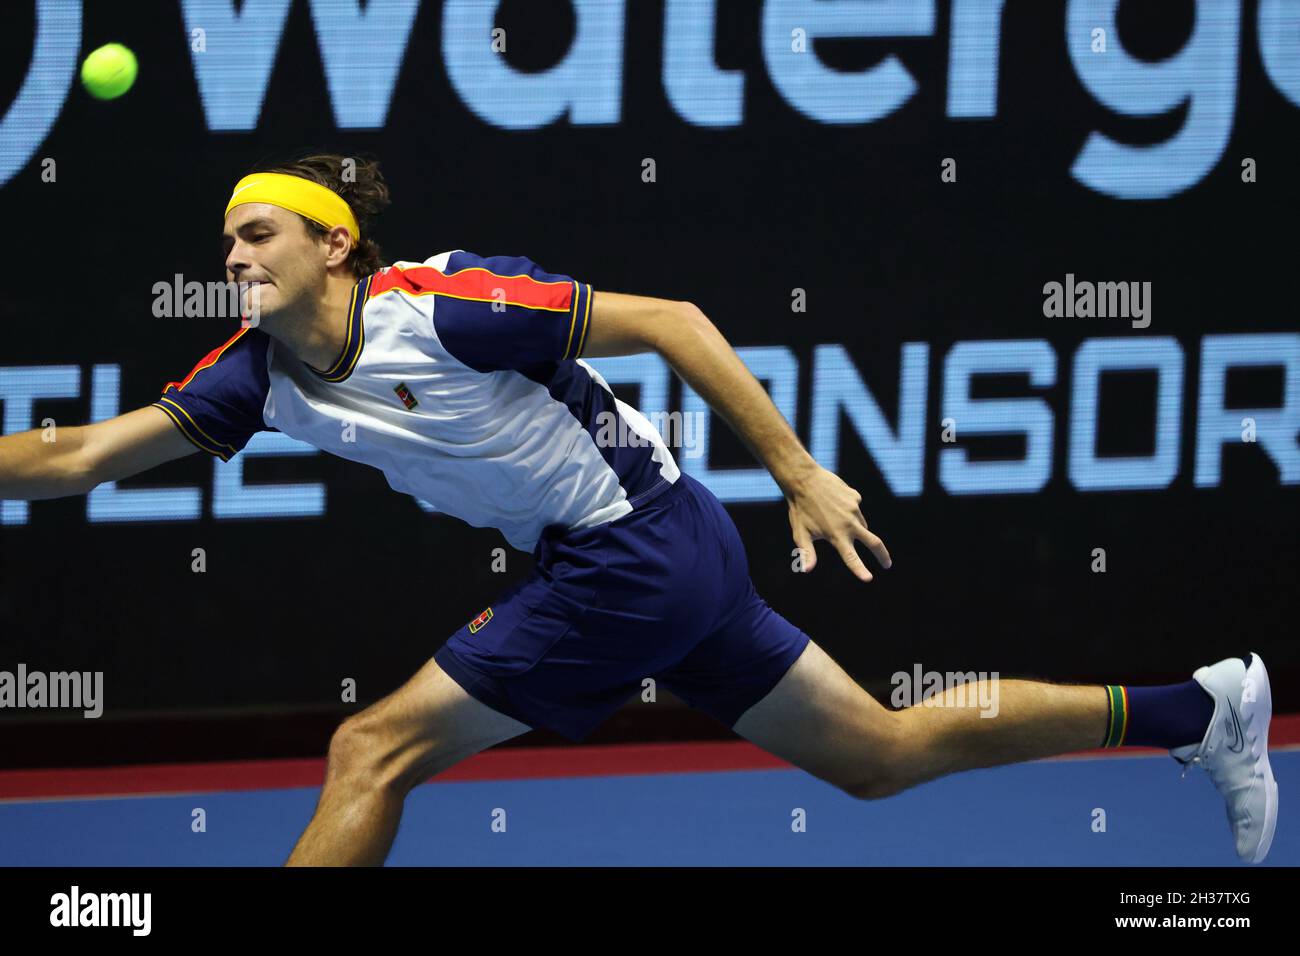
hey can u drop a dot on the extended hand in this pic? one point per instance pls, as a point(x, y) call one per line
point(826, 509)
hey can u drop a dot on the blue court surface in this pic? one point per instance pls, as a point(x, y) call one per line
point(1036, 814)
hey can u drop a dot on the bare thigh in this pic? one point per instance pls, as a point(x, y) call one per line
point(419, 730)
point(820, 720)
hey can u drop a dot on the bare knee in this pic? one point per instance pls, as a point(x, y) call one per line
point(352, 750)
point(875, 788)
point(883, 772)
point(366, 752)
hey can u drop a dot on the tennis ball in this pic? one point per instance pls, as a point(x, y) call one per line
point(109, 71)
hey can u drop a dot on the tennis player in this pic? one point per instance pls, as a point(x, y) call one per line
point(462, 378)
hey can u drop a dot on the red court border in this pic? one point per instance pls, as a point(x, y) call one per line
point(504, 763)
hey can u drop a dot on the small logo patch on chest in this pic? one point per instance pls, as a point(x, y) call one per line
point(479, 621)
point(405, 395)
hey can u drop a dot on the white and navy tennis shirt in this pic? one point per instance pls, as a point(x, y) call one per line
point(461, 380)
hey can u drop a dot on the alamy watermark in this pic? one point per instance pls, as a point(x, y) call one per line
point(208, 300)
point(76, 690)
point(133, 911)
point(684, 430)
point(1102, 300)
point(931, 689)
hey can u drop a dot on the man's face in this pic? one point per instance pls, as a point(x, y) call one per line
point(271, 247)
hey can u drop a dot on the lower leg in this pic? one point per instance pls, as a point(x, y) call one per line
point(1030, 720)
point(819, 719)
point(946, 733)
point(354, 825)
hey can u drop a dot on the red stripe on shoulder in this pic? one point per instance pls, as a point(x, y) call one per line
point(479, 284)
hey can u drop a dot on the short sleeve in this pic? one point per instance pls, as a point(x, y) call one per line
point(503, 312)
point(218, 406)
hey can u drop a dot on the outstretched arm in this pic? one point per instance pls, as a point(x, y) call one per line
point(822, 507)
point(82, 456)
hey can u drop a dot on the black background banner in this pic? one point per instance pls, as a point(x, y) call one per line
point(856, 214)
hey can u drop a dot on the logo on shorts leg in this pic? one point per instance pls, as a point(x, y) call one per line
point(405, 395)
point(479, 621)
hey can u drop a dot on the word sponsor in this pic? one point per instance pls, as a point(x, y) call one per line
point(1056, 424)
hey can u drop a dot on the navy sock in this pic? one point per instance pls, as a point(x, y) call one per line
point(1168, 716)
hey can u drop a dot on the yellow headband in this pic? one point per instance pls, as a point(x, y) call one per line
point(299, 195)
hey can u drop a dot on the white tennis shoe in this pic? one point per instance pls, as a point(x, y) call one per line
point(1235, 750)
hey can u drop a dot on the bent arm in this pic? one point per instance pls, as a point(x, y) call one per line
point(821, 505)
point(82, 456)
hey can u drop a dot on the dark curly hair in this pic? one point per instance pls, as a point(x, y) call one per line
point(358, 180)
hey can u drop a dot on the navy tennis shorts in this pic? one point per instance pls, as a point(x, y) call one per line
point(663, 593)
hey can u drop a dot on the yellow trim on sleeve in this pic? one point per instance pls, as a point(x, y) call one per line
point(215, 443)
point(573, 317)
point(586, 321)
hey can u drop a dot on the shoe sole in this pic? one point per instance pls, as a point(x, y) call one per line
point(1261, 710)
